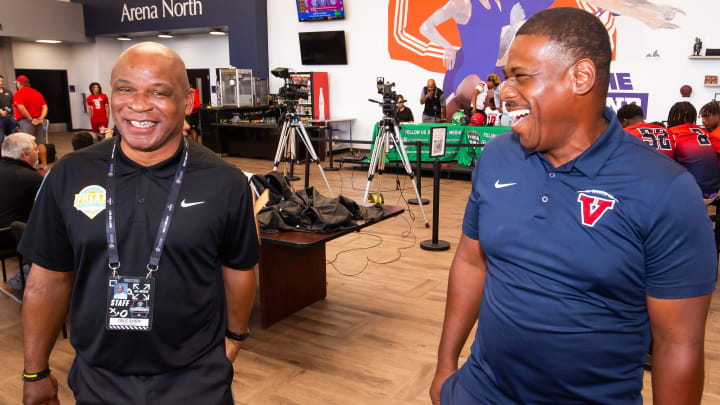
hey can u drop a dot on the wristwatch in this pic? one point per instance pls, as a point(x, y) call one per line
point(237, 336)
point(32, 377)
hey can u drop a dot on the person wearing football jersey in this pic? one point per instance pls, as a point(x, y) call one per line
point(483, 92)
point(710, 115)
point(658, 137)
point(696, 149)
point(99, 109)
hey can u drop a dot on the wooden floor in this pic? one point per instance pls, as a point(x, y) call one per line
point(372, 341)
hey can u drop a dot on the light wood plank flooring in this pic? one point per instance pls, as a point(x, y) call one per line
point(372, 341)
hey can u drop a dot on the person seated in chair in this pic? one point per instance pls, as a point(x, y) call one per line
point(696, 149)
point(20, 183)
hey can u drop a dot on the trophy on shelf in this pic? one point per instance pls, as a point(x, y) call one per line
point(697, 47)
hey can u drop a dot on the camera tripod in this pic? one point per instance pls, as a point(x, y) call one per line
point(388, 131)
point(286, 146)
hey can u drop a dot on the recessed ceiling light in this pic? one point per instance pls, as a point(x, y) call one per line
point(48, 41)
point(123, 38)
point(217, 32)
point(164, 35)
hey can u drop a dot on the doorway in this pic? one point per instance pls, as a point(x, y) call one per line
point(200, 79)
point(53, 85)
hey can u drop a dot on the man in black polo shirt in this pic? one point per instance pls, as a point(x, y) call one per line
point(404, 113)
point(167, 218)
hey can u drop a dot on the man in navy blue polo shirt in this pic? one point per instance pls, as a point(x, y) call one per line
point(578, 243)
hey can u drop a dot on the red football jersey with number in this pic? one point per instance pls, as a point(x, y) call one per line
point(697, 150)
point(97, 102)
point(659, 138)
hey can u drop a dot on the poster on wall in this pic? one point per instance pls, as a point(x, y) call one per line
point(466, 40)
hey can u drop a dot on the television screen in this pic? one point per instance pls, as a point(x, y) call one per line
point(323, 48)
point(318, 10)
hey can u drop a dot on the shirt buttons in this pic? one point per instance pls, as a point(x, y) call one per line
point(551, 175)
point(544, 199)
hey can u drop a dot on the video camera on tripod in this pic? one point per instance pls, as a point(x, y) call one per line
point(289, 92)
point(390, 97)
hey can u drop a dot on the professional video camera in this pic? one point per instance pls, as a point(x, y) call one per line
point(389, 96)
point(289, 92)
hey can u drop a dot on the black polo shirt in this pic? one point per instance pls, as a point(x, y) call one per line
point(6, 98)
point(212, 225)
point(19, 183)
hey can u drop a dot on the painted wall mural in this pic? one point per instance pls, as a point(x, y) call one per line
point(468, 39)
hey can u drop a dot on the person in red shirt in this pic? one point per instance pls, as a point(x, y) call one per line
point(696, 149)
point(30, 112)
point(632, 120)
point(98, 111)
point(710, 114)
point(194, 118)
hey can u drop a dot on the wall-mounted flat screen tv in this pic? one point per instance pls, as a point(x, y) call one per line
point(323, 48)
point(319, 10)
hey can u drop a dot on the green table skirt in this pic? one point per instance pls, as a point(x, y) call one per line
point(456, 134)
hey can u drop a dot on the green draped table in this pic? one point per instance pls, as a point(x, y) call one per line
point(411, 133)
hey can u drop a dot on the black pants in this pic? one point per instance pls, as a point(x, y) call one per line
point(206, 381)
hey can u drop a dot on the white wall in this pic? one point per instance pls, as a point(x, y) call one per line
point(663, 76)
point(350, 85)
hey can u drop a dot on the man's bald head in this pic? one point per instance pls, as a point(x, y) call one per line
point(151, 96)
point(158, 53)
point(431, 84)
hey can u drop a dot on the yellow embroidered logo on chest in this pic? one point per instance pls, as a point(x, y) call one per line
point(90, 201)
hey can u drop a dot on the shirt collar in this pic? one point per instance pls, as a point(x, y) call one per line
point(18, 162)
point(166, 168)
point(592, 160)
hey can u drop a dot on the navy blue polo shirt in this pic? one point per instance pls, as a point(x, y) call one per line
point(572, 253)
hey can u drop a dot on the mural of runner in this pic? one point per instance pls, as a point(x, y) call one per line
point(467, 39)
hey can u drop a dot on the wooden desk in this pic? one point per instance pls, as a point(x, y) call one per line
point(292, 269)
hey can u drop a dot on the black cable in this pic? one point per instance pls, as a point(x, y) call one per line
point(368, 260)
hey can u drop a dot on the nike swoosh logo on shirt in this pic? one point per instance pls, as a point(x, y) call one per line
point(503, 185)
point(187, 204)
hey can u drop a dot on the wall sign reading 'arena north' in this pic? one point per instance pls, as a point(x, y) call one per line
point(245, 22)
point(168, 9)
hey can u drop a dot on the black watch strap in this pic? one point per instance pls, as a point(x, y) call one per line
point(237, 336)
point(31, 377)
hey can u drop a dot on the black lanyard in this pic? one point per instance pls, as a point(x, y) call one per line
point(110, 218)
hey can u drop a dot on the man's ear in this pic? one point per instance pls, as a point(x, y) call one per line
point(583, 73)
point(189, 101)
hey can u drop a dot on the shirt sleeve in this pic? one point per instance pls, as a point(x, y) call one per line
point(45, 240)
point(17, 99)
point(470, 220)
point(680, 255)
point(240, 248)
point(88, 101)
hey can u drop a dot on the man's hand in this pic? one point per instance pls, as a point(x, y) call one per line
point(440, 376)
point(41, 392)
point(36, 121)
point(232, 348)
point(3, 113)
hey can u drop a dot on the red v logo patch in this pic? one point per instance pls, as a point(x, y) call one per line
point(592, 208)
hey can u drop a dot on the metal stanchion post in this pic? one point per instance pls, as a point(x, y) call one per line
point(418, 174)
point(307, 169)
point(435, 244)
point(328, 136)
